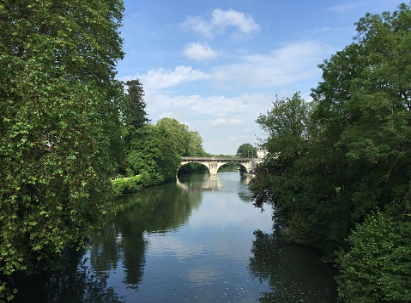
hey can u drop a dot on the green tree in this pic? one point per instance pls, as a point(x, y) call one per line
point(283, 177)
point(156, 150)
point(246, 150)
point(365, 116)
point(286, 124)
point(195, 144)
point(177, 133)
point(59, 126)
point(134, 117)
point(351, 154)
point(135, 113)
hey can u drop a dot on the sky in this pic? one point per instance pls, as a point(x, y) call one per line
point(216, 65)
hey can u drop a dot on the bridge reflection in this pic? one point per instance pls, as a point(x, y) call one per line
point(212, 183)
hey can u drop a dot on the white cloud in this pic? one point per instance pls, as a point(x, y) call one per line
point(161, 78)
point(361, 6)
point(292, 63)
point(221, 20)
point(198, 25)
point(225, 122)
point(216, 117)
point(342, 8)
point(199, 52)
point(244, 23)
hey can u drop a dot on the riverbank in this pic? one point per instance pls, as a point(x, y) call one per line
point(129, 185)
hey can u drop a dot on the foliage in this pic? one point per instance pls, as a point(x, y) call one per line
point(286, 124)
point(348, 152)
point(185, 142)
point(377, 267)
point(246, 150)
point(126, 185)
point(134, 113)
point(277, 177)
point(59, 127)
point(156, 150)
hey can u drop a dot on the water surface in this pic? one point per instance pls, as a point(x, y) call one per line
point(199, 239)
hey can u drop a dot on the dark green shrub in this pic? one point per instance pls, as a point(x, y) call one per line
point(377, 267)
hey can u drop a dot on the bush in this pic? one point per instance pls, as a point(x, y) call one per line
point(126, 185)
point(377, 267)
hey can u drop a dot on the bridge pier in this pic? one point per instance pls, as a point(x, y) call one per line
point(213, 167)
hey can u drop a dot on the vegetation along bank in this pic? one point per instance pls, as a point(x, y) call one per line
point(339, 167)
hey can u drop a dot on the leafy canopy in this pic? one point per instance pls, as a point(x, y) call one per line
point(246, 150)
point(59, 125)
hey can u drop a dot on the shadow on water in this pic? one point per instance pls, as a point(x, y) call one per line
point(75, 282)
point(294, 273)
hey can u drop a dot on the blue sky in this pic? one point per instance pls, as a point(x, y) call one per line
point(215, 65)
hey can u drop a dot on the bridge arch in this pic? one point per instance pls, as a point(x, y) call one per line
point(182, 164)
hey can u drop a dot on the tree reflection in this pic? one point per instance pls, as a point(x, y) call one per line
point(293, 274)
point(75, 282)
point(156, 210)
point(84, 276)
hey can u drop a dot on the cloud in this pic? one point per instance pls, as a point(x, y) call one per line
point(225, 122)
point(343, 8)
point(294, 62)
point(199, 52)
point(290, 64)
point(359, 6)
point(162, 78)
point(216, 117)
point(221, 20)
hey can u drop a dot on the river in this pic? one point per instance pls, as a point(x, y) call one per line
point(198, 239)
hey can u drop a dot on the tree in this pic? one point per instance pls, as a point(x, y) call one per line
point(177, 133)
point(157, 149)
point(246, 150)
point(195, 144)
point(282, 177)
point(59, 126)
point(135, 113)
point(150, 153)
point(134, 118)
point(350, 154)
point(369, 124)
point(286, 124)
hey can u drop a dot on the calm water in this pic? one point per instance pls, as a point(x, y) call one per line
point(197, 240)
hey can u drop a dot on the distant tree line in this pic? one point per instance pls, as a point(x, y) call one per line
point(339, 167)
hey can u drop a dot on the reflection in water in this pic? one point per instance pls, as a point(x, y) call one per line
point(118, 250)
point(157, 211)
point(194, 241)
point(76, 282)
point(294, 274)
point(246, 178)
point(211, 183)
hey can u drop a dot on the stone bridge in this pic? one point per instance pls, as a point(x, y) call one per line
point(213, 164)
